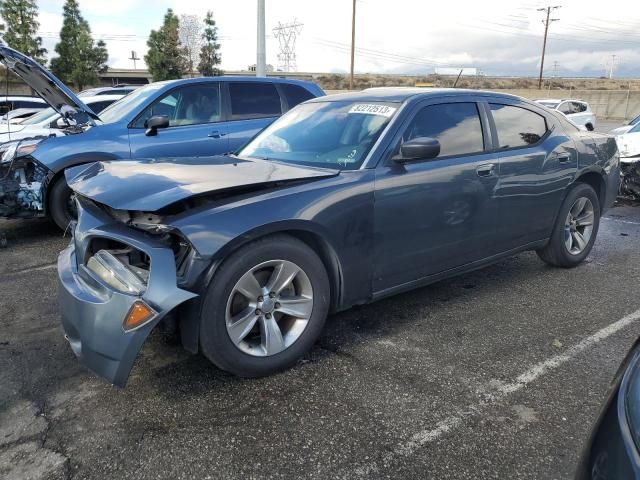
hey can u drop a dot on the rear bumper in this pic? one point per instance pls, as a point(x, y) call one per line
point(93, 313)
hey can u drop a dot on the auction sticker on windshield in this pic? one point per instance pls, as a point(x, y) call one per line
point(373, 109)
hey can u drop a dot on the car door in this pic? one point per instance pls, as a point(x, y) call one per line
point(538, 160)
point(252, 106)
point(196, 126)
point(435, 215)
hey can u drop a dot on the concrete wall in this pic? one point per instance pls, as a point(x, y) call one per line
point(613, 104)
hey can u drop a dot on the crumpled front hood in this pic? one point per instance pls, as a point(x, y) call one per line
point(46, 84)
point(149, 185)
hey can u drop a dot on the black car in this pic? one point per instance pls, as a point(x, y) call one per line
point(344, 200)
point(613, 449)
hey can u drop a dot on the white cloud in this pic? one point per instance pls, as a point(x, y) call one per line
point(403, 35)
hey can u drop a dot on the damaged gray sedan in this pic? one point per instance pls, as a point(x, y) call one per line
point(342, 201)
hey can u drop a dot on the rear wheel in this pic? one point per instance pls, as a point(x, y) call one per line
point(62, 208)
point(575, 229)
point(265, 307)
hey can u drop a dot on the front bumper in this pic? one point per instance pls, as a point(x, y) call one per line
point(93, 313)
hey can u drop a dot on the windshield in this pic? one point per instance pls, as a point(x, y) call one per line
point(323, 134)
point(635, 120)
point(116, 111)
point(41, 117)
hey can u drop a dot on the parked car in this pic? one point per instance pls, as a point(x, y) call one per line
point(13, 102)
point(612, 448)
point(629, 146)
point(121, 89)
point(18, 115)
point(344, 200)
point(577, 111)
point(46, 122)
point(625, 128)
point(178, 118)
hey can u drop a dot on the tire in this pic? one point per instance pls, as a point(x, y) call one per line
point(563, 249)
point(226, 300)
point(61, 209)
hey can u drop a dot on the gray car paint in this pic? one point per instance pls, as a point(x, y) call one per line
point(379, 229)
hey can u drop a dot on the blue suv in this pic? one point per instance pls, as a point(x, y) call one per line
point(177, 118)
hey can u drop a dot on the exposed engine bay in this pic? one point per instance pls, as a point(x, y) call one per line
point(630, 186)
point(22, 183)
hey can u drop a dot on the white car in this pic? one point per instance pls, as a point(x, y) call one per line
point(19, 114)
point(625, 128)
point(629, 144)
point(45, 122)
point(577, 111)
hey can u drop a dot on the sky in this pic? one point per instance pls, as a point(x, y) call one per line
point(392, 36)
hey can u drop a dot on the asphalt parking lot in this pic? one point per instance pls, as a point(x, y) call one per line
point(494, 374)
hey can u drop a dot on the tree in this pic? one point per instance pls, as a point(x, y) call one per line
point(190, 34)
point(166, 58)
point(210, 51)
point(79, 59)
point(21, 29)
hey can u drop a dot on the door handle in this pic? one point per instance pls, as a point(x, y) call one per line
point(486, 169)
point(564, 157)
point(216, 134)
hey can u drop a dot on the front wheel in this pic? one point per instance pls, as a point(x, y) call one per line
point(575, 230)
point(62, 208)
point(265, 307)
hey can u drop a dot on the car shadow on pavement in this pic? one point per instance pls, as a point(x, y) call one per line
point(174, 370)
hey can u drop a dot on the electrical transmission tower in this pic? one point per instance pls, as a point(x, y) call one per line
point(287, 34)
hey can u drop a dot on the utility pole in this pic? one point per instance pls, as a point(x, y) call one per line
point(134, 57)
point(261, 59)
point(546, 30)
point(353, 43)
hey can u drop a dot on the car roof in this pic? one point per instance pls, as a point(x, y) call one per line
point(101, 98)
point(21, 97)
point(402, 94)
point(233, 78)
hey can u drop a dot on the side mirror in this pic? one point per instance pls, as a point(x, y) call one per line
point(420, 148)
point(154, 123)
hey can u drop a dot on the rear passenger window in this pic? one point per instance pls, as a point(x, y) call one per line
point(254, 100)
point(295, 94)
point(516, 126)
point(456, 126)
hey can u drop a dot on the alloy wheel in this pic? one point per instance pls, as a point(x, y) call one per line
point(578, 226)
point(269, 308)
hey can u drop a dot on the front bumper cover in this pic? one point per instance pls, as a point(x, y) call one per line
point(93, 313)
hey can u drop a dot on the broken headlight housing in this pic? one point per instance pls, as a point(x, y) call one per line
point(18, 148)
point(123, 269)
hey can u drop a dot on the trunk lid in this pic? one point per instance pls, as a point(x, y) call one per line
point(47, 85)
point(148, 185)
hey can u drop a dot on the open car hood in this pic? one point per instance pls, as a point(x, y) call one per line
point(47, 85)
point(149, 185)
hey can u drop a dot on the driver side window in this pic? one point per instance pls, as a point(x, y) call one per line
point(456, 126)
point(191, 105)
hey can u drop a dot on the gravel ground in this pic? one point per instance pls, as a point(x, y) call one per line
point(494, 374)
